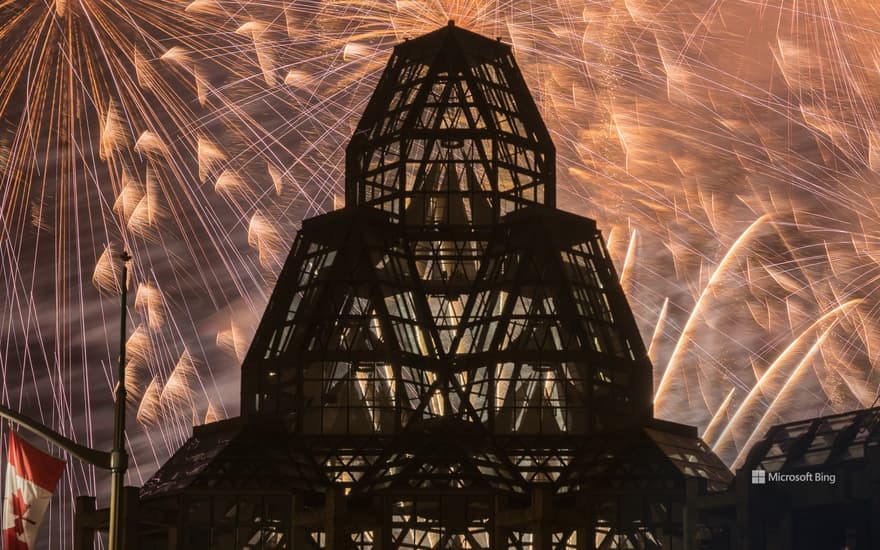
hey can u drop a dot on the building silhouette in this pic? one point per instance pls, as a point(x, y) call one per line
point(448, 361)
point(829, 500)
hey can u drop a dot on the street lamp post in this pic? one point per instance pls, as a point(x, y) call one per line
point(118, 456)
point(117, 459)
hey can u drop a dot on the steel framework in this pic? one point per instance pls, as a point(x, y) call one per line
point(447, 362)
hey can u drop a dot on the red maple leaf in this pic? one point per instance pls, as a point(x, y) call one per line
point(19, 509)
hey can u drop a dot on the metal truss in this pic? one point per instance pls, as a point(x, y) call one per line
point(442, 361)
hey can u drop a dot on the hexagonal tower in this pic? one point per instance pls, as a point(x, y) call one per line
point(447, 362)
point(449, 286)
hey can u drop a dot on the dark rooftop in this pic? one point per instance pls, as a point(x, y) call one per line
point(827, 441)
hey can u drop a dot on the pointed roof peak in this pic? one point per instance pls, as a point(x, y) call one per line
point(475, 47)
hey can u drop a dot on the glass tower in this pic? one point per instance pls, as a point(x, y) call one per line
point(448, 361)
point(449, 287)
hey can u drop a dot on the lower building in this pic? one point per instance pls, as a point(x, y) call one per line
point(808, 485)
point(239, 485)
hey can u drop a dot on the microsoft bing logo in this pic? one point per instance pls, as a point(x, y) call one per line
point(759, 477)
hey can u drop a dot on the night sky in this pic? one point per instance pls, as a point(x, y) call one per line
point(728, 150)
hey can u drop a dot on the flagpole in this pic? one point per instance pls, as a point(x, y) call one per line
point(101, 459)
point(118, 456)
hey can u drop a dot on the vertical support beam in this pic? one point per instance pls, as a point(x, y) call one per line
point(119, 456)
point(335, 519)
point(542, 511)
point(500, 536)
point(690, 519)
point(542, 537)
point(130, 516)
point(500, 533)
point(299, 532)
point(586, 537)
point(171, 540)
point(382, 529)
point(379, 538)
point(84, 532)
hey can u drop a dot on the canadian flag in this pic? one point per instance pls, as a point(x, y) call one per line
point(31, 477)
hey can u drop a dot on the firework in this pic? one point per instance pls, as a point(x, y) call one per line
point(130, 126)
point(730, 150)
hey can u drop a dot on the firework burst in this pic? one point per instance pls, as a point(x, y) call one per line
point(137, 126)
